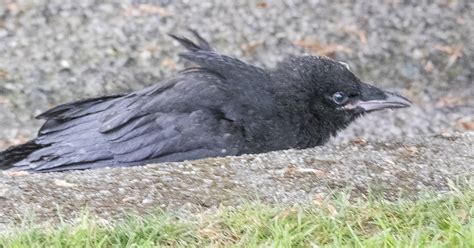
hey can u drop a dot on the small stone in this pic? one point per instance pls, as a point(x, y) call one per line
point(15, 173)
point(145, 55)
point(4, 191)
point(411, 151)
point(63, 183)
point(127, 199)
point(65, 64)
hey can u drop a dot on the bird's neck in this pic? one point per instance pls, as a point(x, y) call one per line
point(303, 128)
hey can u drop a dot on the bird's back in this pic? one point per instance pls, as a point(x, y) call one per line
point(178, 119)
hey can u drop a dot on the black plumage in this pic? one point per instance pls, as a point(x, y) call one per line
point(221, 107)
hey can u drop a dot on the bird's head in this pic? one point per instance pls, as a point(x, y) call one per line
point(333, 94)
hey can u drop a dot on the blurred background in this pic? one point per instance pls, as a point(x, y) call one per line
point(55, 51)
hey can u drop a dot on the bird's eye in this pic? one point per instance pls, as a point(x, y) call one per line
point(339, 98)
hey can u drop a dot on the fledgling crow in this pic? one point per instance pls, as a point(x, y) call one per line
point(221, 107)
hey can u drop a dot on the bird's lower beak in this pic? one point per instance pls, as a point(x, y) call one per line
point(383, 101)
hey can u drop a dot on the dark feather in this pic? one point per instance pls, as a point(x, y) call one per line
point(223, 106)
point(17, 153)
point(78, 108)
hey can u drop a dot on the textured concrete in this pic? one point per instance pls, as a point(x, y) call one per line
point(53, 52)
point(400, 168)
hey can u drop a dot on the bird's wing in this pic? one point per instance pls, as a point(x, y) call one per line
point(174, 137)
point(185, 121)
point(68, 115)
point(157, 124)
point(233, 70)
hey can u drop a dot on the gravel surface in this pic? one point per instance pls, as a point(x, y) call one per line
point(57, 51)
point(400, 168)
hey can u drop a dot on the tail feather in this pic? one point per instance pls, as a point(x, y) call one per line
point(17, 153)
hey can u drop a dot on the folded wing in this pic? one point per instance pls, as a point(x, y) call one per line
point(157, 124)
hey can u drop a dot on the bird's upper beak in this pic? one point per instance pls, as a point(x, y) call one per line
point(390, 100)
point(374, 99)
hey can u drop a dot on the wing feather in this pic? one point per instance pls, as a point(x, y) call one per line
point(174, 122)
point(78, 108)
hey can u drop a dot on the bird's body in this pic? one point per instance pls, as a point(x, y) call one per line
point(222, 107)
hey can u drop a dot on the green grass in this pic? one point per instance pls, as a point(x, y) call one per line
point(434, 221)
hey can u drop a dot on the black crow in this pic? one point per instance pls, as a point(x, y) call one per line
point(222, 106)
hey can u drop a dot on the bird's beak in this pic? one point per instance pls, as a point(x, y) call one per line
point(390, 100)
point(374, 99)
